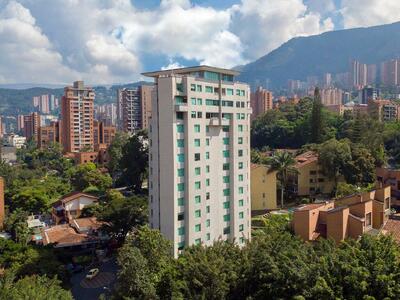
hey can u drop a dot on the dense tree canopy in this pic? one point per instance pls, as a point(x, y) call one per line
point(274, 265)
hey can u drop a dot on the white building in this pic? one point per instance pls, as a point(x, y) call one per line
point(200, 156)
point(16, 141)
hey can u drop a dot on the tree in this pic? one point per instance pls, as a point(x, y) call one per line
point(360, 170)
point(115, 153)
point(144, 260)
point(122, 214)
point(134, 161)
point(283, 163)
point(333, 156)
point(33, 288)
point(86, 176)
point(17, 226)
point(317, 126)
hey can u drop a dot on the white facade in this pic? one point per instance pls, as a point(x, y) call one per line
point(200, 157)
point(16, 141)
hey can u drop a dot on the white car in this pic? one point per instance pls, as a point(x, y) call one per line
point(92, 273)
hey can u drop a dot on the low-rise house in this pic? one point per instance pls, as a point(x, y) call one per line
point(80, 233)
point(70, 206)
point(263, 188)
point(346, 217)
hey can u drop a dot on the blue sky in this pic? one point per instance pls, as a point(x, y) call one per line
point(114, 41)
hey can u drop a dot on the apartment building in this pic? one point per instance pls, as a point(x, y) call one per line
point(50, 134)
point(103, 135)
point(199, 169)
point(263, 188)
point(346, 217)
point(77, 117)
point(134, 108)
point(391, 177)
point(261, 101)
point(31, 126)
point(384, 110)
point(309, 180)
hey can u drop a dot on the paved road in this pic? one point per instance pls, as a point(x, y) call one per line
point(83, 289)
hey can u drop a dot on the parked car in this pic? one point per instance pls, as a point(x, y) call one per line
point(92, 273)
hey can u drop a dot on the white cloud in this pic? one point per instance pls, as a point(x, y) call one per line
point(361, 13)
point(263, 25)
point(26, 53)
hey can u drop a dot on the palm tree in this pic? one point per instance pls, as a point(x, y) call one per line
point(282, 163)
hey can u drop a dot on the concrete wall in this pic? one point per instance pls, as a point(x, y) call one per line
point(263, 188)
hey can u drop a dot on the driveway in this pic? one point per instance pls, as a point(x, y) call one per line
point(84, 289)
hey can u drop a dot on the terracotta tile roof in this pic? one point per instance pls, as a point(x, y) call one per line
point(392, 227)
point(65, 235)
point(72, 196)
point(90, 222)
point(306, 158)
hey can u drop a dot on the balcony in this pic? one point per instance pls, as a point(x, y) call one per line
point(181, 107)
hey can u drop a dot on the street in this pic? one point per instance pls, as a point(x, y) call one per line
point(84, 289)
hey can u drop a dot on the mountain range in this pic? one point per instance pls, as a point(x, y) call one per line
point(329, 52)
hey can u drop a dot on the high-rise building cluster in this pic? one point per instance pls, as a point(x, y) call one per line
point(106, 113)
point(199, 169)
point(45, 103)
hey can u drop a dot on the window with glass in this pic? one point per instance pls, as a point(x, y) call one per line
point(240, 177)
point(227, 192)
point(227, 218)
point(240, 128)
point(181, 172)
point(196, 128)
point(197, 199)
point(197, 241)
point(181, 157)
point(181, 201)
point(225, 141)
point(209, 89)
point(193, 87)
point(180, 128)
point(208, 196)
point(179, 87)
point(197, 228)
point(197, 185)
point(240, 140)
point(197, 213)
point(241, 202)
point(229, 92)
point(241, 215)
point(207, 182)
point(241, 227)
point(199, 88)
point(208, 209)
point(225, 167)
point(179, 115)
point(240, 153)
point(181, 230)
point(207, 142)
point(179, 100)
point(193, 100)
point(208, 223)
point(197, 156)
point(207, 155)
point(197, 142)
point(226, 204)
point(181, 187)
point(225, 153)
point(225, 179)
point(240, 165)
point(181, 216)
point(197, 171)
point(225, 128)
point(227, 230)
point(241, 190)
point(199, 101)
point(180, 143)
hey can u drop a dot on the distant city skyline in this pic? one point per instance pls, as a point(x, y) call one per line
point(109, 42)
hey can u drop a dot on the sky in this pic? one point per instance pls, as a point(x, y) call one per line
point(114, 41)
